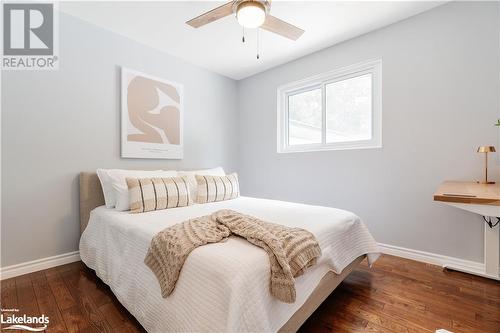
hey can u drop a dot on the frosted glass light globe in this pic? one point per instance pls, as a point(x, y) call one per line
point(251, 14)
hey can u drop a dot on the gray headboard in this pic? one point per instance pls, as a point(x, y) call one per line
point(91, 196)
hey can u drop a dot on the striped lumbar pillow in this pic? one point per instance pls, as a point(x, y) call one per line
point(147, 194)
point(217, 188)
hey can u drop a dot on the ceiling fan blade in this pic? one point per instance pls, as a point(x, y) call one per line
point(282, 28)
point(213, 15)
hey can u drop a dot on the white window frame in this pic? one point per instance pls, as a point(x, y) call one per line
point(373, 67)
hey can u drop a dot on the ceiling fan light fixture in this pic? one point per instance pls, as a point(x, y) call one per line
point(251, 14)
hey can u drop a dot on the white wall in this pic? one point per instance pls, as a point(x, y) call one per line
point(440, 99)
point(58, 123)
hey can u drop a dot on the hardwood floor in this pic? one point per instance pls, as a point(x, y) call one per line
point(396, 295)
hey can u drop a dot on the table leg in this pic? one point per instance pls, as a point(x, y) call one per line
point(492, 250)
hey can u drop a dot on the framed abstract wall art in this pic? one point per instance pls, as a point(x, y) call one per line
point(151, 116)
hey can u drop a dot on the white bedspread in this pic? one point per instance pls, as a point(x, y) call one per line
point(223, 287)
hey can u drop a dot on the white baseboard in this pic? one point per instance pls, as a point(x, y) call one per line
point(38, 265)
point(427, 257)
point(462, 265)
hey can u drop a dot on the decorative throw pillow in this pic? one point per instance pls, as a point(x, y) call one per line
point(120, 186)
point(148, 194)
point(217, 188)
point(190, 177)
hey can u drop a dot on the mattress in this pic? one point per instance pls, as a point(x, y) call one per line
point(222, 287)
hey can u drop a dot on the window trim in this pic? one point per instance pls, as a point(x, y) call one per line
point(373, 67)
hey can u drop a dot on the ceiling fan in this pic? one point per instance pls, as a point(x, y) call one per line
point(250, 14)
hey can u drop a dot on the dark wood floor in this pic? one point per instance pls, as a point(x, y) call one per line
point(396, 295)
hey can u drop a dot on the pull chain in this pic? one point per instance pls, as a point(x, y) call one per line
point(243, 38)
point(258, 42)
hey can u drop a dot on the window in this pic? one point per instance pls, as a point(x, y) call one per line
point(336, 110)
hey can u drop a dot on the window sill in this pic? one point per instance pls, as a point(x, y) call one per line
point(309, 148)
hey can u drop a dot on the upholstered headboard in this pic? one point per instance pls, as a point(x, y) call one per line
point(91, 196)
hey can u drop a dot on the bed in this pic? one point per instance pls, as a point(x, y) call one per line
point(222, 287)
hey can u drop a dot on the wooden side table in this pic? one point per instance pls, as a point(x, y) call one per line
point(482, 199)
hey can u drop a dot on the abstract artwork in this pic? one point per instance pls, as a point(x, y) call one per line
point(151, 116)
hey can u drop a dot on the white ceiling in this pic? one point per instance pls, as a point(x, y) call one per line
point(218, 47)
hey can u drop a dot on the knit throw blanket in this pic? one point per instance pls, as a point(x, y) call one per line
point(291, 250)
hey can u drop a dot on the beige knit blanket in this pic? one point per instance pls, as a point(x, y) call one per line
point(290, 250)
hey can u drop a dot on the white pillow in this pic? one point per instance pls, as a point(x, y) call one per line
point(105, 176)
point(120, 188)
point(107, 188)
point(189, 176)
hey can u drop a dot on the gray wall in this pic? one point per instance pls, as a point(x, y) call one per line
point(440, 99)
point(56, 124)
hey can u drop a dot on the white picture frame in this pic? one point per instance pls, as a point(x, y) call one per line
point(152, 116)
